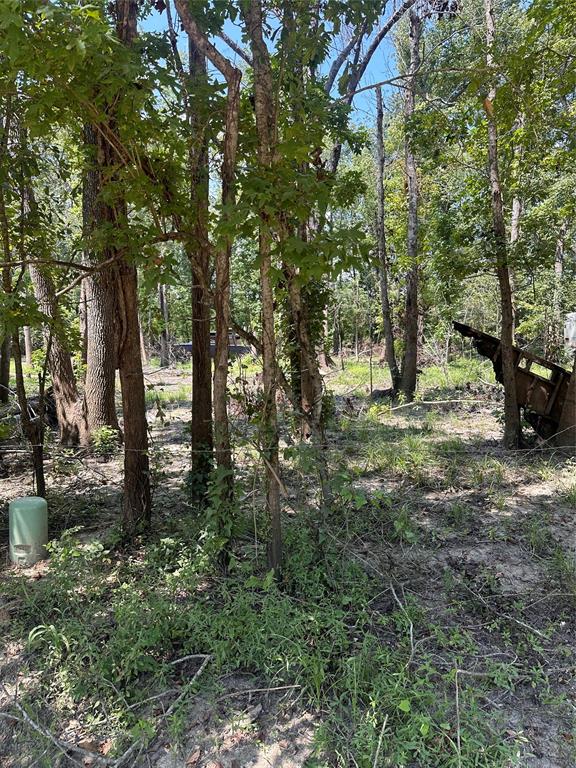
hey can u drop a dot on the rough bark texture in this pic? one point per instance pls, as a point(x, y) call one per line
point(136, 502)
point(387, 323)
point(222, 446)
point(199, 255)
point(410, 360)
point(68, 405)
point(266, 130)
point(99, 299)
point(511, 411)
point(5, 348)
point(83, 321)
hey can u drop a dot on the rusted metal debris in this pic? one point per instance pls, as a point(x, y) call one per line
point(542, 395)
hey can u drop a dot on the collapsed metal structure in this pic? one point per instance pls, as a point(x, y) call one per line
point(542, 394)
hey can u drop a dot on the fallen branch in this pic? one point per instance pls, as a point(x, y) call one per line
point(63, 746)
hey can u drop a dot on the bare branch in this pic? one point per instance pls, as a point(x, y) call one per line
point(236, 48)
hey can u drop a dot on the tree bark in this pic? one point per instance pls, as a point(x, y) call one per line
point(164, 337)
point(266, 130)
point(99, 297)
point(566, 435)
point(136, 502)
point(83, 322)
point(232, 76)
point(223, 451)
point(5, 370)
point(27, 344)
point(388, 325)
point(5, 348)
point(32, 425)
point(556, 323)
point(143, 352)
point(512, 434)
point(410, 359)
point(68, 403)
point(199, 256)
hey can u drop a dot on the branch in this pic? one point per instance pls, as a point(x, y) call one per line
point(236, 48)
point(341, 58)
point(381, 34)
point(222, 64)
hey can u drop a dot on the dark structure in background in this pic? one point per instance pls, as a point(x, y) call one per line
point(234, 349)
point(542, 397)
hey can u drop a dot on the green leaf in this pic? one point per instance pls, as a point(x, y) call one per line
point(404, 705)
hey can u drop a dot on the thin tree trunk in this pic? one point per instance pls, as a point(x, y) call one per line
point(199, 256)
point(164, 337)
point(390, 354)
point(516, 215)
point(27, 344)
point(556, 324)
point(5, 370)
point(232, 76)
point(511, 411)
point(410, 360)
point(143, 351)
point(223, 451)
point(266, 129)
point(5, 348)
point(32, 426)
point(566, 434)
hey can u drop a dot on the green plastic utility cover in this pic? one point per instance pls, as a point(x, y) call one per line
point(28, 525)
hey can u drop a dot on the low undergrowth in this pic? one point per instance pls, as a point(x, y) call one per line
point(103, 626)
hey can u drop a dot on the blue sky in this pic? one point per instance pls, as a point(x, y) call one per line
point(381, 67)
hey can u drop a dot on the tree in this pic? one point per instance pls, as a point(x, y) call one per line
point(382, 246)
point(136, 502)
point(266, 129)
point(511, 410)
point(410, 358)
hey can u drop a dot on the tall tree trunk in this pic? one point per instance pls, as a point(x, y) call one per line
point(137, 502)
point(99, 298)
point(199, 256)
point(514, 236)
point(515, 217)
point(266, 129)
point(222, 446)
point(5, 347)
point(410, 360)
point(556, 323)
point(66, 396)
point(390, 355)
point(164, 339)
point(511, 412)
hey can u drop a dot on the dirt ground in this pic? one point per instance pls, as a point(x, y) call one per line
point(486, 539)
